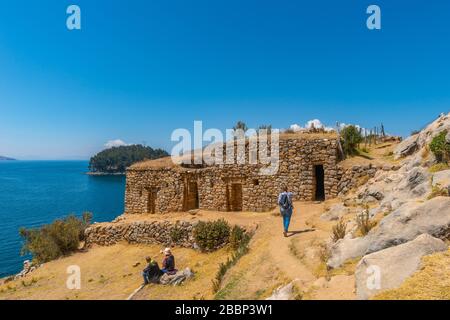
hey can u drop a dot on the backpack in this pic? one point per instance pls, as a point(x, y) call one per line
point(284, 201)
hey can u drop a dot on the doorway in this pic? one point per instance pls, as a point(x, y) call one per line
point(191, 200)
point(319, 181)
point(151, 200)
point(236, 197)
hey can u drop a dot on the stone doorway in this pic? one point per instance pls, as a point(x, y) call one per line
point(236, 197)
point(319, 183)
point(152, 194)
point(191, 199)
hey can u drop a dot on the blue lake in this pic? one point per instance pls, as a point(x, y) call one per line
point(33, 193)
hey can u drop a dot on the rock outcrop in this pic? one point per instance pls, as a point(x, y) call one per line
point(407, 222)
point(388, 268)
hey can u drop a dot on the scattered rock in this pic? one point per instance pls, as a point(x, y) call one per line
point(193, 212)
point(335, 212)
point(394, 265)
point(283, 293)
point(177, 278)
point(406, 147)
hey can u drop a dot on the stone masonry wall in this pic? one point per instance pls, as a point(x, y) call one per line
point(353, 177)
point(148, 232)
point(216, 185)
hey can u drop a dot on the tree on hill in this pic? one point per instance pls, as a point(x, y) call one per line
point(351, 137)
point(118, 159)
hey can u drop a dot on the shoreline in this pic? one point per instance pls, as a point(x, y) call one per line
point(105, 173)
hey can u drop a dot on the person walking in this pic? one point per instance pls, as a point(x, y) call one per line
point(286, 208)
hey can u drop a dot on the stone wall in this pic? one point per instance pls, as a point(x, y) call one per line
point(233, 187)
point(147, 232)
point(353, 177)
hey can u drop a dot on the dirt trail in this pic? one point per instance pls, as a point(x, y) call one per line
point(306, 227)
point(280, 246)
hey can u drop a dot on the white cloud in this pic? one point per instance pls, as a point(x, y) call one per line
point(296, 127)
point(115, 143)
point(316, 123)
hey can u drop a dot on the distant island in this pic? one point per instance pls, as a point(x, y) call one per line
point(6, 158)
point(115, 160)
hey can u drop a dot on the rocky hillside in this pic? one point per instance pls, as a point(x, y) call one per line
point(412, 208)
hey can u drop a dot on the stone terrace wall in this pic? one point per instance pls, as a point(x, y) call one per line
point(148, 232)
point(170, 186)
point(166, 233)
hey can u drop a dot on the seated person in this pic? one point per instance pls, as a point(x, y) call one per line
point(151, 273)
point(168, 264)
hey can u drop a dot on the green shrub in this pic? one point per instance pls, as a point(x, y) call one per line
point(177, 234)
point(338, 231)
point(211, 234)
point(351, 137)
point(440, 147)
point(54, 240)
point(238, 236)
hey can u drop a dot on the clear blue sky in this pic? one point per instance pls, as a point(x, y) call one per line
point(139, 69)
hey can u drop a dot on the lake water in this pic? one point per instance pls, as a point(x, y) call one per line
point(33, 193)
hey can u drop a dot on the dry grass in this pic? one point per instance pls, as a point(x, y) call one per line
point(110, 273)
point(438, 167)
point(432, 282)
point(339, 230)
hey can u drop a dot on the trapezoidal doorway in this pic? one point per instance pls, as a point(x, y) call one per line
point(151, 200)
point(319, 183)
point(191, 200)
point(236, 197)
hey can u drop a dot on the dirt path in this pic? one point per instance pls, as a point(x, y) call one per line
point(306, 228)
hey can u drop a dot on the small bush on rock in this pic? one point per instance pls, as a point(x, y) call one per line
point(54, 240)
point(211, 235)
point(440, 147)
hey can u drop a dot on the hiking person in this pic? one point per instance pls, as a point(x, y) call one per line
point(168, 265)
point(151, 273)
point(286, 208)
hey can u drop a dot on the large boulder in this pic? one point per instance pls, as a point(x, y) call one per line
point(388, 268)
point(415, 177)
point(416, 142)
point(411, 220)
point(406, 147)
point(346, 249)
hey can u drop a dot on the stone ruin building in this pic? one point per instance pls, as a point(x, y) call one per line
point(308, 165)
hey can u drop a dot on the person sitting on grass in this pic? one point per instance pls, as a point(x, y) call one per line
point(151, 273)
point(168, 264)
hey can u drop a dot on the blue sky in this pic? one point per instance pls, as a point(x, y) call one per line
point(140, 69)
